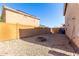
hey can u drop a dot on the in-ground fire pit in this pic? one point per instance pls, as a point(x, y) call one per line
point(41, 39)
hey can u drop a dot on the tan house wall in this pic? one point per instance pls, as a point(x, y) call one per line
point(8, 31)
point(68, 21)
point(72, 22)
point(16, 17)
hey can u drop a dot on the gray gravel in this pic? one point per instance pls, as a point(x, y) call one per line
point(56, 45)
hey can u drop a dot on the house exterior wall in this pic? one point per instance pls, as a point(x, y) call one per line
point(68, 21)
point(16, 18)
point(16, 25)
point(8, 31)
point(72, 22)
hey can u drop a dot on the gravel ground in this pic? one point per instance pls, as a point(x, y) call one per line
point(56, 45)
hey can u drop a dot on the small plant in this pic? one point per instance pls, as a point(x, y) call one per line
point(43, 26)
point(1, 19)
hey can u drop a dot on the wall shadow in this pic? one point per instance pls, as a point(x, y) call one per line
point(76, 49)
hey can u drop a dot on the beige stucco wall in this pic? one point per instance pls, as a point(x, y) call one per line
point(68, 21)
point(13, 18)
point(8, 31)
point(72, 22)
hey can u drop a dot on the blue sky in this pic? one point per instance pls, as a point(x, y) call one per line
point(50, 14)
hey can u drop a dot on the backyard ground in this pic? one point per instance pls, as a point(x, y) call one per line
point(56, 45)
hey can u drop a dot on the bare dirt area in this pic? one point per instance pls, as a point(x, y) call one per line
point(54, 45)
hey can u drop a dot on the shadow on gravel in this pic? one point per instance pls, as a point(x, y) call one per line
point(76, 49)
point(55, 53)
point(58, 41)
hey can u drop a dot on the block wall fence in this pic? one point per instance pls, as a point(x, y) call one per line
point(10, 31)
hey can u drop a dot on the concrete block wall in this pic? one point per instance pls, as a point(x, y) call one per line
point(15, 31)
point(33, 31)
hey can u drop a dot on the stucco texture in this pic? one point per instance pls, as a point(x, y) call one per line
point(72, 22)
point(7, 31)
point(17, 17)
